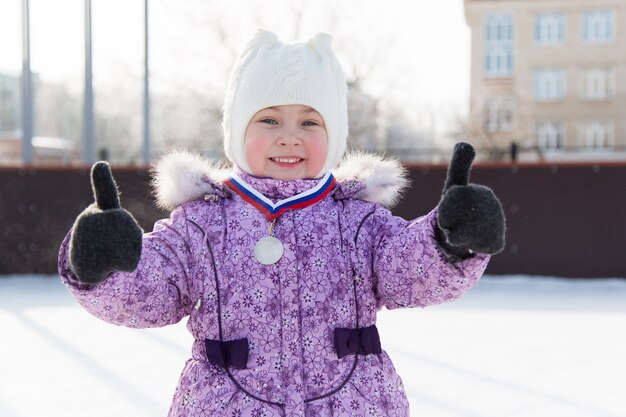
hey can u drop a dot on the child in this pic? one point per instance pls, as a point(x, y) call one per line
point(280, 264)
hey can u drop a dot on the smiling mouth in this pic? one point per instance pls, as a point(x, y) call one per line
point(287, 160)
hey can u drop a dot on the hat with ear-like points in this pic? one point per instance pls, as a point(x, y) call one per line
point(271, 73)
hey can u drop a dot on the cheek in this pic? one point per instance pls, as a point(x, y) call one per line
point(318, 150)
point(254, 150)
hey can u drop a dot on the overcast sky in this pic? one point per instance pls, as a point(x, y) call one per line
point(414, 53)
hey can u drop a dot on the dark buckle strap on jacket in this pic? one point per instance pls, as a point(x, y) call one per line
point(364, 340)
point(225, 353)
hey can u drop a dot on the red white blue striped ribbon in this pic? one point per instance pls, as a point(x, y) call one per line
point(272, 210)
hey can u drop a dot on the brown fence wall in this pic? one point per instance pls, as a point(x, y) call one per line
point(563, 220)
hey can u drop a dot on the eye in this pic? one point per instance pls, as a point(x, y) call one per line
point(310, 123)
point(269, 121)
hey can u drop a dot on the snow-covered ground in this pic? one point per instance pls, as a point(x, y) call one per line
point(513, 346)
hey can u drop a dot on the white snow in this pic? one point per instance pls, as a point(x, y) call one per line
point(512, 347)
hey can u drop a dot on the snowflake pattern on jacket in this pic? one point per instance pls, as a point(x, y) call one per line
point(344, 259)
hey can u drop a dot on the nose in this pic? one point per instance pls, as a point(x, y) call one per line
point(289, 138)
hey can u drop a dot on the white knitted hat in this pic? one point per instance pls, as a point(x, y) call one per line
point(271, 73)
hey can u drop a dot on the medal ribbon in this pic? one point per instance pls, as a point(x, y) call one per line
point(272, 210)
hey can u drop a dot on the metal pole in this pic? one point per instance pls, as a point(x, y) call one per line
point(88, 125)
point(27, 88)
point(146, 91)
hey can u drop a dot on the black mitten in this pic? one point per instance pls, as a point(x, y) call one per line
point(105, 237)
point(470, 216)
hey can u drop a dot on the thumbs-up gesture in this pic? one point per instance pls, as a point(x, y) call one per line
point(470, 216)
point(105, 237)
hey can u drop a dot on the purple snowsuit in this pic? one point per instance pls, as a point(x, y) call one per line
point(344, 259)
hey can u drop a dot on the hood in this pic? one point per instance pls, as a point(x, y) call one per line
point(181, 176)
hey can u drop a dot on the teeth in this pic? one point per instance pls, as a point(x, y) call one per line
point(287, 160)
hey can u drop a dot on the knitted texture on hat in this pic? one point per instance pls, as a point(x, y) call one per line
point(271, 73)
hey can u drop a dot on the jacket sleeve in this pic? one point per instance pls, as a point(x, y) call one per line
point(408, 268)
point(155, 294)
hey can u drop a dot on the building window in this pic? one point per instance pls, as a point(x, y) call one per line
point(548, 84)
point(499, 45)
point(549, 29)
point(499, 114)
point(596, 135)
point(549, 135)
point(597, 84)
point(597, 26)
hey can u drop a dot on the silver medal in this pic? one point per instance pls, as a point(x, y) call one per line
point(268, 250)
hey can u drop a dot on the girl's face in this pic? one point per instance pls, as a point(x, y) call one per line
point(286, 142)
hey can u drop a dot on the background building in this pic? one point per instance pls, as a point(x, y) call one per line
point(50, 142)
point(549, 75)
point(9, 103)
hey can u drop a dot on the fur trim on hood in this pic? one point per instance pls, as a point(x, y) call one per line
point(383, 180)
point(182, 176)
